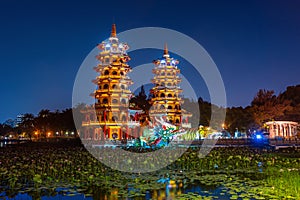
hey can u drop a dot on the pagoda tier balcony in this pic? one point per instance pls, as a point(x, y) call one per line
point(102, 67)
point(168, 111)
point(111, 77)
point(111, 91)
point(166, 98)
point(166, 83)
point(108, 123)
point(159, 70)
point(90, 123)
point(167, 76)
point(119, 107)
point(174, 89)
point(101, 77)
point(164, 79)
point(175, 111)
point(113, 81)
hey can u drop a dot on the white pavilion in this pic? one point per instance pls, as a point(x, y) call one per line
point(285, 129)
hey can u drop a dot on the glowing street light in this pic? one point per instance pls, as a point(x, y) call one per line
point(223, 126)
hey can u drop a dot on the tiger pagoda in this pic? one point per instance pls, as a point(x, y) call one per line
point(166, 99)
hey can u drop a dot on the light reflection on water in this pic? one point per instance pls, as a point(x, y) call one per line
point(168, 192)
point(5, 143)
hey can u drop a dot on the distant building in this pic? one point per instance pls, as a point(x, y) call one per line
point(285, 129)
point(19, 119)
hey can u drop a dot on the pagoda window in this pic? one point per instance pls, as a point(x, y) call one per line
point(106, 60)
point(106, 72)
point(124, 118)
point(162, 95)
point(163, 73)
point(114, 118)
point(169, 95)
point(122, 73)
point(169, 74)
point(177, 121)
point(105, 100)
point(115, 101)
point(123, 101)
point(100, 87)
point(162, 107)
point(105, 86)
point(114, 73)
point(114, 86)
point(169, 84)
point(123, 87)
point(169, 107)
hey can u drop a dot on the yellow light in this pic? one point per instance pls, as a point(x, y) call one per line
point(36, 133)
point(49, 134)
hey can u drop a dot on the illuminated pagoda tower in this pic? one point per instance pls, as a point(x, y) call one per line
point(112, 94)
point(166, 101)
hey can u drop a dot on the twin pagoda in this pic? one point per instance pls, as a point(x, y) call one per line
point(112, 116)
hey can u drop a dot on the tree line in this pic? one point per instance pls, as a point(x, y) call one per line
point(265, 106)
point(46, 121)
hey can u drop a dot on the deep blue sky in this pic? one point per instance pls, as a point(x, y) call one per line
point(255, 44)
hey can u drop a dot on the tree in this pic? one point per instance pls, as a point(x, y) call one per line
point(43, 121)
point(28, 124)
point(239, 118)
point(266, 106)
point(292, 94)
point(5, 129)
point(140, 101)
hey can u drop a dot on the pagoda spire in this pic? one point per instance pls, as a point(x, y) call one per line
point(113, 31)
point(166, 52)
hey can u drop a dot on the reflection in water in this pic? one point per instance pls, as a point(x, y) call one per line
point(170, 191)
point(5, 143)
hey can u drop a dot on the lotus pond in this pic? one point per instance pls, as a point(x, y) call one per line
point(66, 170)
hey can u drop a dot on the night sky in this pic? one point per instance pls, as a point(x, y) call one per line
point(255, 44)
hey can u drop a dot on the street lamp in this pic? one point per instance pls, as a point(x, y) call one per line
point(223, 126)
